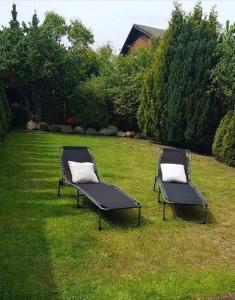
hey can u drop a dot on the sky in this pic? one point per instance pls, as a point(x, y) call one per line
point(111, 20)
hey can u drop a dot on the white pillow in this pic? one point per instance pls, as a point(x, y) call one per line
point(82, 172)
point(173, 173)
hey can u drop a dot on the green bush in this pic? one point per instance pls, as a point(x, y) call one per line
point(122, 78)
point(5, 115)
point(127, 80)
point(224, 143)
point(89, 105)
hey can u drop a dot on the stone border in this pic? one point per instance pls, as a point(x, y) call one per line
point(111, 130)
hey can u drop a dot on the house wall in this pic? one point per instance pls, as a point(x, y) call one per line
point(141, 42)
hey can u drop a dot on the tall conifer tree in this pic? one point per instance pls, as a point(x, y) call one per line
point(152, 113)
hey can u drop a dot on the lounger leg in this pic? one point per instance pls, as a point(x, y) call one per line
point(154, 185)
point(78, 199)
point(99, 221)
point(205, 220)
point(173, 210)
point(164, 207)
point(159, 192)
point(139, 216)
point(59, 184)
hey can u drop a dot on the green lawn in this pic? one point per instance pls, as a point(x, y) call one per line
point(49, 249)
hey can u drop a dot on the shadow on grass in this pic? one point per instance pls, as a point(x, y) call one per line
point(193, 213)
point(25, 251)
point(26, 268)
point(31, 250)
point(120, 218)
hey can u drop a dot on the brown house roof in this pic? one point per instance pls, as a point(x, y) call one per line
point(137, 31)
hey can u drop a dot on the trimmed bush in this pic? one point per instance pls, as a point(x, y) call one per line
point(5, 116)
point(224, 143)
point(89, 106)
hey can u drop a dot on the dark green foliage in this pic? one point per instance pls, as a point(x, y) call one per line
point(223, 75)
point(10, 60)
point(35, 19)
point(36, 66)
point(122, 77)
point(79, 35)
point(192, 112)
point(152, 113)
point(177, 105)
point(89, 105)
point(224, 142)
point(128, 78)
point(14, 22)
point(5, 116)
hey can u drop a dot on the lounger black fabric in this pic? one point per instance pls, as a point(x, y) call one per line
point(106, 197)
point(179, 193)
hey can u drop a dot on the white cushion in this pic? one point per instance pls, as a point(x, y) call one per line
point(173, 173)
point(82, 172)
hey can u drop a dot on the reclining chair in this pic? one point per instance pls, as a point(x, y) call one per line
point(106, 197)
point(177, 193)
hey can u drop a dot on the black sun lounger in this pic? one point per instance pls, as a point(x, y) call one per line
point(179, 193)
point(104, 196)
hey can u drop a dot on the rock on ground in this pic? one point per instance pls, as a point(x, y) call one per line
point(78, 130)
point(105, 131)
point(113, 129)
point(31, 125)
point(130, 134)
point(66, 128)
point(54, 128)
point(121, 133)
point(138, 135)
point(91, 131)
point(42, 126)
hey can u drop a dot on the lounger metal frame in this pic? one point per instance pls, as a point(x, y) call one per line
point(64, 182)
point(166, 200)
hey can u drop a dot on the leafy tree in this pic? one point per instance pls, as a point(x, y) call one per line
point(127, 82)
point(122, 77)
point(106, 62)
point(35, 64)
point(43, 66)
point(54, 25)
point(10, 38)
point(79, 36)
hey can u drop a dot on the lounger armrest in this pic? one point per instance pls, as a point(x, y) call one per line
point(199, 194)
point(166, 199)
